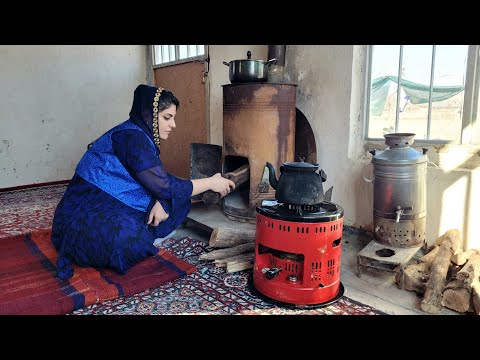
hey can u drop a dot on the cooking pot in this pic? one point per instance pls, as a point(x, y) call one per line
point(248, 70)
point(299, 183)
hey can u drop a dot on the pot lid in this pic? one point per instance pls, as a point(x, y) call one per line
point(249, 58)
point(249, 55)
point(300, 165)
point(399, 151)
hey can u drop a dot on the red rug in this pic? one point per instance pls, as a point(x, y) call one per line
point(28, 284)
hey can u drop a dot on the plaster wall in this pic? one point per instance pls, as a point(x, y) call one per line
point(331, 92)
point(56, 99)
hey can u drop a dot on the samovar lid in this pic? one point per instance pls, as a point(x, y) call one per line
point(399, 151)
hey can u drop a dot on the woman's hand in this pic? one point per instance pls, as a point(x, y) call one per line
point(216, 183)
point(221, 185)
point(157, 214)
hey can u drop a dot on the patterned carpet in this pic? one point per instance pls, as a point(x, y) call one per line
point(22, 211)
point(208, 291)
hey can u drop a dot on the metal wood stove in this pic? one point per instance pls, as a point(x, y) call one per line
point(297, 254)
point(258, 125)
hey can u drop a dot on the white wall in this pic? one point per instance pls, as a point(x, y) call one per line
point(218, 76)
point(330, 92)
point(55, 99)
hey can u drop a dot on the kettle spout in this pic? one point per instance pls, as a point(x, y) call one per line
point(271, 176)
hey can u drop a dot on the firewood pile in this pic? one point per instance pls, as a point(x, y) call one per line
point(446, 276)
point(233, 248)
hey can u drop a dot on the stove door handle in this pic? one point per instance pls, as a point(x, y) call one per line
point(272, 273)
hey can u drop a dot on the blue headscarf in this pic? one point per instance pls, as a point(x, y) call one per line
point(142, 108)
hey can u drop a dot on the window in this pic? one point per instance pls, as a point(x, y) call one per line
point(174, 54)
point(428, 90)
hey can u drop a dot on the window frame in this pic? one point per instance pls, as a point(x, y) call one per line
point(197, 58)
point(470, 104)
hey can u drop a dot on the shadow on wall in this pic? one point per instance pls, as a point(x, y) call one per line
point(305, 145)
point(451, 186)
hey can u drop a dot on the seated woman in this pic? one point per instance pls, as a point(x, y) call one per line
point(121, 198)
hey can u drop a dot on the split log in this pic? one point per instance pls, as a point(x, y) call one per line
point(427, 248)
point(476, 296)
point(413, 277)
point(439, 240)
point(457, 297)
point(462, 257)
point(470, 271)
point(222, 237)
point(234, 259)
point(237, 263)
point(428, 258)
point(234, 267)
point(238, 176)
point(228, 252)
point(451, 244)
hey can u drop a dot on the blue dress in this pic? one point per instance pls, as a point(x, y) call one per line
point(93, 228)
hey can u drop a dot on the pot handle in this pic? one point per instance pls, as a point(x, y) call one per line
point(225, 63)
point(272, 61)
point(364, 178)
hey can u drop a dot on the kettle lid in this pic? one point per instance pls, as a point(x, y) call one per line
point(300, 166)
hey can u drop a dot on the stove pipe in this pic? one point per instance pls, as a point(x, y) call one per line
point(276, 70)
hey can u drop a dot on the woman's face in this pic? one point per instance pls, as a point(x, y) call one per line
point(166, 121)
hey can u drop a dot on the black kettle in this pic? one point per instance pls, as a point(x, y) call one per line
point(299, 183)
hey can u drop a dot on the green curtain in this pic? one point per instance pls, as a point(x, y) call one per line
point(417, 93)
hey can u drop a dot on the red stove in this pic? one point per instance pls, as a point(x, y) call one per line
point(297, 253)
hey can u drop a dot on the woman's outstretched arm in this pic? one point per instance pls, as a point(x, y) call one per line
point(216, 183)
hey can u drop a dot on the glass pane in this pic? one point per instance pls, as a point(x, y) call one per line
point(200, 49)
point(172, 52)
point(165, 54)
point(449, 82)
point(383, 90)
point(183, 51)
point(415, 90)
point(157, 56)
point(192, 50)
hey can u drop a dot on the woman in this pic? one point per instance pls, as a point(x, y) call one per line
point(121, 198)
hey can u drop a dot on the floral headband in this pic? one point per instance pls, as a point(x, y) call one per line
point(156, 134)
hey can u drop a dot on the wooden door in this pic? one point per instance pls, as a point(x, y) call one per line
point(186, 82)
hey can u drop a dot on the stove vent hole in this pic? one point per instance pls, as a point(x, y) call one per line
point(316, 273)
point(292, 268)
point(385, 252)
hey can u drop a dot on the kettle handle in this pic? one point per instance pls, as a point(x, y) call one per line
point(363, 171)
point(323, 175)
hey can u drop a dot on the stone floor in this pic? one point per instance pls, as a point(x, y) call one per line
point(374, 288)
